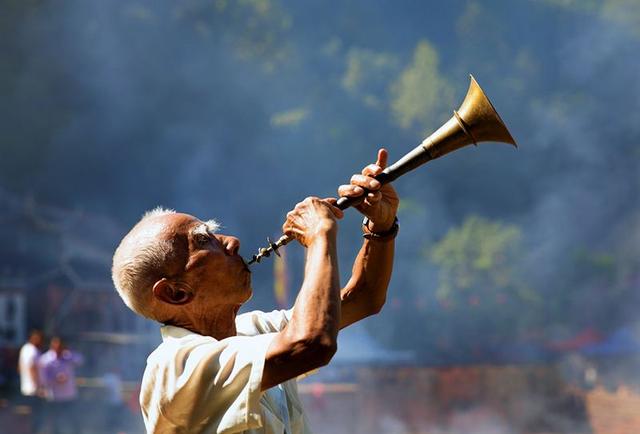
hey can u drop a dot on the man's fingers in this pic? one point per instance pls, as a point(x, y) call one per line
point(372, 170)
point(337, 212)
point(296, 234)
point(350, 190)
point(286, 228)
point(365, 182)
point(292, 230)
point(373, 198)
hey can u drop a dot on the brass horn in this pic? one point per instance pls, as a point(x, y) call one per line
point(475, 121)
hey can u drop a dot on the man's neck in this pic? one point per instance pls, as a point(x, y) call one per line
point(219, 323)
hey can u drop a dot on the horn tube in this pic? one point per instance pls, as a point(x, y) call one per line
point(475, 121)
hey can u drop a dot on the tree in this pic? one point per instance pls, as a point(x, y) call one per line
point(420, 92)
point(480, 285)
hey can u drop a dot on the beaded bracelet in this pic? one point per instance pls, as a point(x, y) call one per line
point(387, 235)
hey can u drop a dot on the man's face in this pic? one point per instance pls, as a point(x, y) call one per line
point(209, 262)
point(36, 339)
point(57, 345)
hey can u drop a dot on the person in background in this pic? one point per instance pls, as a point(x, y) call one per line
point(115, 408)
point(29, 376)
point(58, 379)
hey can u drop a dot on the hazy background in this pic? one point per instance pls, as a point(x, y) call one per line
point(239, 109)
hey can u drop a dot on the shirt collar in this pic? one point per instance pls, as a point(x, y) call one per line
point(173, 332)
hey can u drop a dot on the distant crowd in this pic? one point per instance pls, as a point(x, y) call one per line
point(48, 383)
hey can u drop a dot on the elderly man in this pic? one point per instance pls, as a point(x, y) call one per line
point(219, 372)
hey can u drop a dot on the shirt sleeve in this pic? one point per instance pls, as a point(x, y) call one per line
point(31, 357)
point(44, 371)
point(28, 360)
point(257, 322)
point(213, 386)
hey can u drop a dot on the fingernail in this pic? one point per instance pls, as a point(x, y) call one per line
point(374, 184)
point(357, 190)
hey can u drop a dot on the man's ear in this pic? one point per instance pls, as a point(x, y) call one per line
point(172, 292)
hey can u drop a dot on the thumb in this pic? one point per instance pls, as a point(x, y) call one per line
point(383, 156)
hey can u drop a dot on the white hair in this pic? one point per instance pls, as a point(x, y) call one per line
point(207, 228)
point(139, 261)
point(157, 212)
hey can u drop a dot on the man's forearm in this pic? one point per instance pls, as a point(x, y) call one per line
point(310, 338)
point(317, 308)
point(366, 291)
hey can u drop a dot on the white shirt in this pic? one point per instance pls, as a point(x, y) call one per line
point(197, 384)
point(28, 358)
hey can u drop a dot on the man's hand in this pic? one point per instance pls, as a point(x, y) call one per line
point(312, 218)
point(381, 203)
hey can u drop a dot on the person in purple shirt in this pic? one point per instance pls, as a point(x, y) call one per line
point(58, 379)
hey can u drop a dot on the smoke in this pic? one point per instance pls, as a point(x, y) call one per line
point(236, 111)
point(157, 103)
point(591, 185)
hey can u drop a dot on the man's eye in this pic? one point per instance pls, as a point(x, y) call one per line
point(202, 239)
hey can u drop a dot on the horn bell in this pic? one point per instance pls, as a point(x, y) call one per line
point(475, 121)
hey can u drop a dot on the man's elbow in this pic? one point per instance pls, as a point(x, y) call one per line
point(376, 305)
point(318, 350)
point(326, 353)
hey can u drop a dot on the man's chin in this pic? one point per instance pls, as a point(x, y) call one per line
point(248, 293)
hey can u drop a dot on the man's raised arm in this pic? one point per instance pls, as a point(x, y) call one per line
point(366, 291)
point(309, 339)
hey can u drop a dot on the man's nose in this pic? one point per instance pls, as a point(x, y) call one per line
point(231, 245)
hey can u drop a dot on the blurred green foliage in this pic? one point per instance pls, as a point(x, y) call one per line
point(477, 257)
point(289, 118)
point(367, 74)
point(421, 95)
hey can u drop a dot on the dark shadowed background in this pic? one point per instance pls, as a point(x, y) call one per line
point(514, 302)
